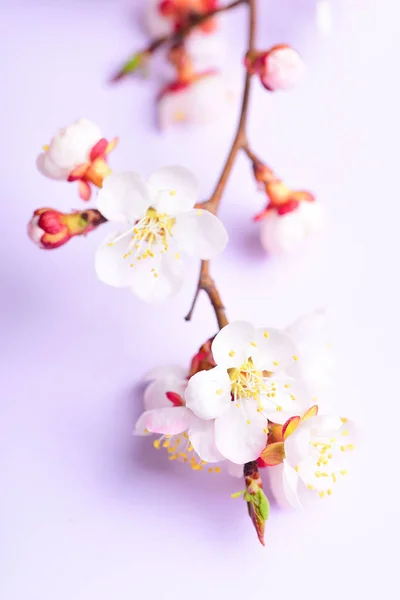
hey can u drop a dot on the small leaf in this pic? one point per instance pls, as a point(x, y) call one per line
point(273, 454)
point(290, 426)
point(258, 507)
point(131, 65)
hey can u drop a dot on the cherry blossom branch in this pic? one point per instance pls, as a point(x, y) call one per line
point(206, 282)
point(175, 37)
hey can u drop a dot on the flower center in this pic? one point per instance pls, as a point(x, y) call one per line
point(247, 382)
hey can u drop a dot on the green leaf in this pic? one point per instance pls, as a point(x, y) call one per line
point(132, 64)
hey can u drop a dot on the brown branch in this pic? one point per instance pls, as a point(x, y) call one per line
point(175, 37)
point(206, 282)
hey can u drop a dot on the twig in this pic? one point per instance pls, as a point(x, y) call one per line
point(206, 282)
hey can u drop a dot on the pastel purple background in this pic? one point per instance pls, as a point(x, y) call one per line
point(87, 511)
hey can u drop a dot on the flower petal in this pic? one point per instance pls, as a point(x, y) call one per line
point(273, 454)
point(169, 421)
point(241, 432)
point(284, 483)
point(111, 266)
point(162, 283)
point(49, 169)
point(174, 190)
point(231, 347)
point(199, 233)
point(208, 393)
point(234, 469)
point(155, 395)
point(171, 373)
point(287, 398)
point(274, 350)
point(124, 198)
point(202, 437)
point(297, 444)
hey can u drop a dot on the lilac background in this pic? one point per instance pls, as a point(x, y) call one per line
point(88, 512)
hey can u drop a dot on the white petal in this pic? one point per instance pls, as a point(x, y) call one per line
point(325, 424)
point(199, 233)
point(155, 395)
point(297, 445)
point(291, 399)
point(284, 483)
point(174, 190)
point(202, 437)
point(240, 433)
point(111, 266)
point(310, 327)
point(231, 347)
point(148, 287)
point(209, 99)
point(207, 50)
point(208, 393)
point(124, 198)
point(71, 146)
point(169, 421)
point(312, 215)
point(274, 350)
point(174, 107)
point(281, 234)
point(323, 17)
point(49, 169)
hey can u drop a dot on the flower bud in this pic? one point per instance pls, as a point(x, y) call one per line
point(203, 360)
point(50, 228)
point(279, 68)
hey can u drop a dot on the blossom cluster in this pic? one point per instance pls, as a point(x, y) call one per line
point(249, 395)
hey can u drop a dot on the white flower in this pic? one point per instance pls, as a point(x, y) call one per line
point(316, 456)
point(199, 102)
point(281, 233)
point(281, 68)
point(316, 366)
point(243, 392)
point(185, 437)
point(69, 148)
point(323, 16)
point(160, 224)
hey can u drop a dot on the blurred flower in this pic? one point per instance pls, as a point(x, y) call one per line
point(242, 392)
point(279, 68)
point(50, 228)
point(289, 216)
point(314, 456)
point(316, 366)
point(160, 224)
point(323, 16)
point(77, 153)
point(166, 16)
point(200, 100)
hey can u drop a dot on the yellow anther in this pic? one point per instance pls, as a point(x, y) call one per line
point(279, 408)
point(343, 472)
point(237, 405)
point(297, 468)
point(210, 470)
point(350, 446)
point(265, 430)
point(232, 353)
point(172, 192)
point(185, 435)
point(329, 456)
point(329, 492)
point(110, 244)
point(293, 397)
point(177, 256)
point(132, 265)
point(333, 440)
point(219, 392)
point(266, 334)
point(46, 147)
point(343, 448)
point(218, 469)
point(156, 444)
point(321, 494)
point(190, 448)
point(199, 212)
point(310, 487)
point(334, 477)
point(146, 430)
point(248, 421)
point(344, 420)
point(345, 432)
point(166, 444)
point(173, 457)
point(287, 385)
point(253, 344)
point(276, 363)
point(183, 454)
point(295, 357)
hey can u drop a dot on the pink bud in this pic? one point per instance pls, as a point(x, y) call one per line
point(279, 69)
point(50, 228)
